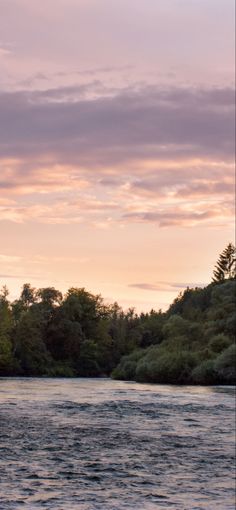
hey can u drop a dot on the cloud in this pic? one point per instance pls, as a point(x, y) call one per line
point(96, 70)
point(130, 125)
point(19, 177)
point(68, 194)
point(43, 259)
point(143, 155)
point(165, 286)
point(185, 178)
point(83, 209)
point(4, 52)
point(31, 80)
point(199, 189)
point(23, 277)
point(181, 217)
point(8, 276)
point(9, 258)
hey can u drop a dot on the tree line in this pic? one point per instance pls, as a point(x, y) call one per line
point(44, 333)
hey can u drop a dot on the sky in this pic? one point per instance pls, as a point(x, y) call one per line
point(116, 145)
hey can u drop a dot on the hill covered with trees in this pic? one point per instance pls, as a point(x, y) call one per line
point(45, 334)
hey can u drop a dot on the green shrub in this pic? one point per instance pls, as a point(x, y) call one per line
point(61, 370)
point(225, 365)
point(126, 369)
point(204, 373)
point(142, 372)
point(167, 367)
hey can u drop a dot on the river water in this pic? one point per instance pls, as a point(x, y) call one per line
point(97, 444)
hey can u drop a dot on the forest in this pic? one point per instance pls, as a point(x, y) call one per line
point(44, 333)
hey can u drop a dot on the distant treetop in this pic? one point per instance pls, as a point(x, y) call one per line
point(226, 264)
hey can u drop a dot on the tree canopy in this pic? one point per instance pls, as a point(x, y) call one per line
point(44, 333)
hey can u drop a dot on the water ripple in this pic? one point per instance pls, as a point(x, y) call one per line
point(109, 445)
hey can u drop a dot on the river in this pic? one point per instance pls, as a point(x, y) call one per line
point(97, 444)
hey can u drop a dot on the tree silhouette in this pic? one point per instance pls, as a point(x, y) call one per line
point(226, 264)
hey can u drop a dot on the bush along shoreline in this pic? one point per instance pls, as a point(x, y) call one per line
point(45, 334)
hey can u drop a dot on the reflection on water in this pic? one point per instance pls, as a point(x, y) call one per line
point(106, 445)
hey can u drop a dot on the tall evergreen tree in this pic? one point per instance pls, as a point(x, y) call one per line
point(226, 264)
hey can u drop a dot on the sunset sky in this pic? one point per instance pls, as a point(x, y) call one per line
point(116, 145)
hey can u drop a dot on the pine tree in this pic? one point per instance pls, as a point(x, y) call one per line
point(226, 264)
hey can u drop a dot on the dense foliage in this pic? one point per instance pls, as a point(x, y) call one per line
point(45, 334)
point(197, 345)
